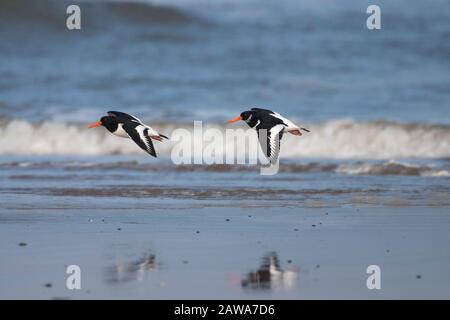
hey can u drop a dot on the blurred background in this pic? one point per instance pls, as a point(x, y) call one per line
point(175, 61)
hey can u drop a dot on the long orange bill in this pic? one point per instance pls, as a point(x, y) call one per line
point(95, 124)
point(235, 119)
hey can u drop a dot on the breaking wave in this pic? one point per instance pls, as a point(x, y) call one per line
point(338, 139)
point(393, 168)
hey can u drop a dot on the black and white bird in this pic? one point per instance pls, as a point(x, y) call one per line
point(126, 126)
point(270, 127)
point(270, 275)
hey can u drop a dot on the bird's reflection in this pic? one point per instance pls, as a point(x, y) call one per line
point(270, 275)
point(132, 271)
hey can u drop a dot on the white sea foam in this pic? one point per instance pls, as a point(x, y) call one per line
point(392, 168)
point(339, 139)
point(437, 173)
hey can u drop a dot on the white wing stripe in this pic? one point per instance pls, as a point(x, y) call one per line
point(140, 130)
point(274, 141)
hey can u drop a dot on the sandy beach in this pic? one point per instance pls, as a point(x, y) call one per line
point(135, 234)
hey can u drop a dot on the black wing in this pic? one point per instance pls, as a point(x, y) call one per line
point(123, 115)
point(269, 139)
point(139, 134)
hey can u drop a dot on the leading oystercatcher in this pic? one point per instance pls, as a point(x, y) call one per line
point(270, 127)
point(126, 126)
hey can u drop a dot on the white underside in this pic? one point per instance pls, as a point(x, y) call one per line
point(120, 132)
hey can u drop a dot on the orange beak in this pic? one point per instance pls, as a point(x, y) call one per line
point(235, 119)
point(95, 124)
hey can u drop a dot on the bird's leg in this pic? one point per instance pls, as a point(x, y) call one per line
point(295, 132)
point(156, 138)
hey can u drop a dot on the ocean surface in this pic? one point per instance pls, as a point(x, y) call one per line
point(366, 94)
point(373, 173)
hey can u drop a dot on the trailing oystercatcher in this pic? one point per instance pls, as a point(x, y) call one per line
point(126, 126)
point(270, 127)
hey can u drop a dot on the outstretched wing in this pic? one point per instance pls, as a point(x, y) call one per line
point(140, 135)
point(123, 115)
point(270, 141)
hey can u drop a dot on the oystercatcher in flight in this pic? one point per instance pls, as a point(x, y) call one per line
point(126, 126)
point(270, 127)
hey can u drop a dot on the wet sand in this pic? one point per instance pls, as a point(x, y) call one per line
point(217, 253)
point(180, 234)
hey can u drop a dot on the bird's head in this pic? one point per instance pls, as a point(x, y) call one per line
point(245, 116)
point(104, 121)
